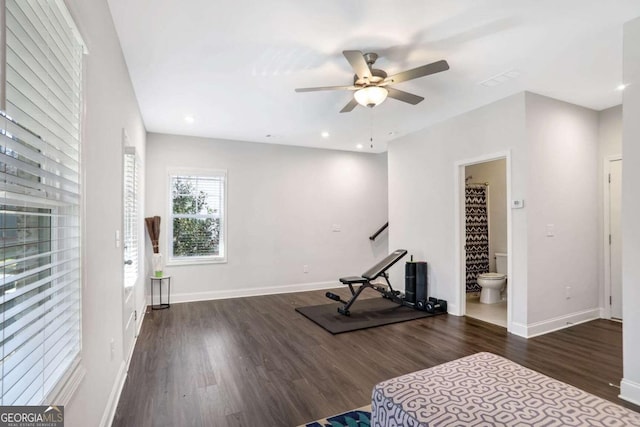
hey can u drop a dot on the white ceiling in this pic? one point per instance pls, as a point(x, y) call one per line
point(233, 65)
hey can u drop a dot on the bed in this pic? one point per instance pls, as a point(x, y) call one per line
point(488, 390)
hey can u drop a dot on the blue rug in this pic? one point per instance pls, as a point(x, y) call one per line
point(360, 417)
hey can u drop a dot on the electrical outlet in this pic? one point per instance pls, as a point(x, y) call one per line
point(117, 239)
point(112, 348)
point(305, 268)
point(567, 292)
point(336, 228)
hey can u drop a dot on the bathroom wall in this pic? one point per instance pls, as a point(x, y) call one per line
point(494, 173)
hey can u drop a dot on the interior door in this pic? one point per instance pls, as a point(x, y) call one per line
point(615, 252)
point(130, 242)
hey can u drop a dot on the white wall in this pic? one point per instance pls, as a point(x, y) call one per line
point(563, 177)
point(610, 131)
point(553, 168)
point(110, 106)
point(610, 145)
point(422, 205)
point(282, 204)
point(630, 386)
point(493, 173)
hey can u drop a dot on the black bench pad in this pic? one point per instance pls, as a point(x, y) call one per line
point(352, 280)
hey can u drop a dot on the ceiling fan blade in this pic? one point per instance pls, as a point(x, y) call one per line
point(404, 96)
point(425, 70)
point(358, 63)
point(316, 89)
point(350, 106)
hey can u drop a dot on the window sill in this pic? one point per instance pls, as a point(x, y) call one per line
point(195, 261)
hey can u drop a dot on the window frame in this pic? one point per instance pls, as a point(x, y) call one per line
point(73, 373)
point(224, 241)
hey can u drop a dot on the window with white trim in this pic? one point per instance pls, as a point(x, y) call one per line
point(40, 265)
point(197, 217)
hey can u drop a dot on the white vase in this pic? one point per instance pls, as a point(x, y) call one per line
point(156, 262)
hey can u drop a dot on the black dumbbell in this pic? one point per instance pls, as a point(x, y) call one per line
point(436, 305)
point(420, 304)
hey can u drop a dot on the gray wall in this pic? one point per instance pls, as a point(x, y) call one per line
point(282, 204)
point(553, 149)
point(562, 144)
point(423, 177)
point(110, 107)
point(630, 386)
point(610, 145)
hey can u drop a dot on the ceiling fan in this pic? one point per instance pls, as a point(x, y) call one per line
point(372, 86)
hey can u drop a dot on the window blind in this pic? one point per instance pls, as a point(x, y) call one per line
point(197, 216)
point(131, 219)
point(39, 200)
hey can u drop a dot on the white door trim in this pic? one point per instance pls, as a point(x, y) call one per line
point(459, 224)
point(606, 230)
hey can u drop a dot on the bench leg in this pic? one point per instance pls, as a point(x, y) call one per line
point(345, 310)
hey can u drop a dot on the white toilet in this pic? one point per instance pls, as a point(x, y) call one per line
point(493, 283)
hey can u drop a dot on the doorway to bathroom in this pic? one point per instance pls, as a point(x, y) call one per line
point(484, 238)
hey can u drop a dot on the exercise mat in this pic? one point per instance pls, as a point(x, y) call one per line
point(365, 313)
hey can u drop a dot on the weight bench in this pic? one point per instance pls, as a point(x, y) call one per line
point(378, 270)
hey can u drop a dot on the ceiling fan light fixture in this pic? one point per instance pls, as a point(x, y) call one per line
point(371, 96)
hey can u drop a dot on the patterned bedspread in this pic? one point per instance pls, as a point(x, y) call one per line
point(488, 390)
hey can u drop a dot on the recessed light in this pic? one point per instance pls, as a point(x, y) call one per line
point(189, 119)
point(359, 146)
point(621, 86)
point(325, 134)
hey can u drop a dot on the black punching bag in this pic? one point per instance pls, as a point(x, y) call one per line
point(410, 282)
point(421, 293)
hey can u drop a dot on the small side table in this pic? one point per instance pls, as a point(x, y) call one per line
point(161, 305)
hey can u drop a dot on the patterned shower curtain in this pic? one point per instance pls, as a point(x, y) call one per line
point(477, 232)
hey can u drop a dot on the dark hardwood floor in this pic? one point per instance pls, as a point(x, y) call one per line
point(256, 362)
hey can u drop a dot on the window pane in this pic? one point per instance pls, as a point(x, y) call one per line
point(185, 196)
point(197, 207)
point(196, 237)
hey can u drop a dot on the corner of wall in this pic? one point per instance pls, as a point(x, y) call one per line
point(630, 391)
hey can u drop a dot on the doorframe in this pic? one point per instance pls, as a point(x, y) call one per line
point(606, 230)
point(459, 226)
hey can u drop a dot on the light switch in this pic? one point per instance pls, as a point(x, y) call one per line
point(335, 228)
point(551, 230)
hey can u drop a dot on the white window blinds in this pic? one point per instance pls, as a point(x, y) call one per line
point(131, 219)
point(39, 200)
point(197, 228)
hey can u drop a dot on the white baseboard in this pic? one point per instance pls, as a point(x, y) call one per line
point(630, 391)
point(142, 310)
point(114, 397)
point(453, 310)
point(518, 329)
point(555, 324)
point(251, 292)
